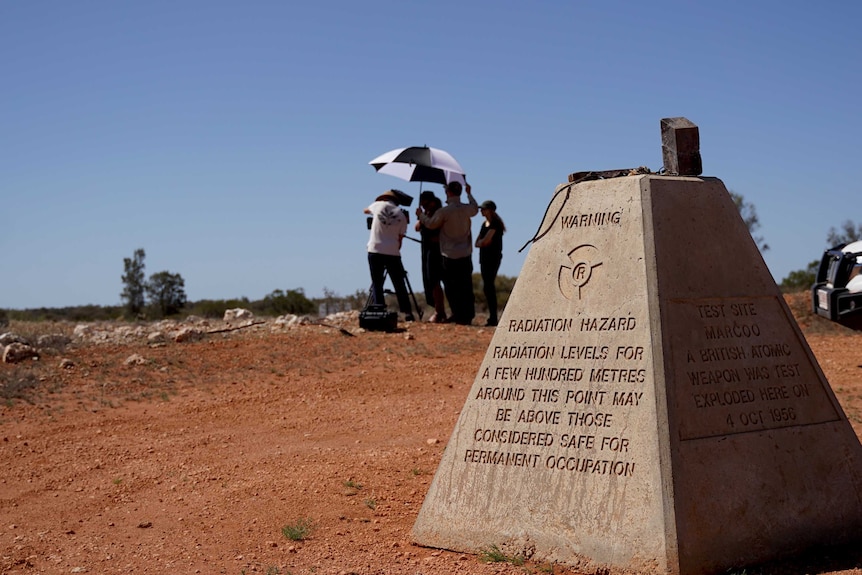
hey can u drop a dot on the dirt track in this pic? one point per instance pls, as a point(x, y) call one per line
point(194, 460)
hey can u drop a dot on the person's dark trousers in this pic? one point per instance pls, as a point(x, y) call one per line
point(432, 272)
point(379, 264)
point(427, 284)
point(458, 285)
point(489, 267)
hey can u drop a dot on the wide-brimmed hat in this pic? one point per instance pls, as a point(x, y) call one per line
point(387, 195)
point(488, 205)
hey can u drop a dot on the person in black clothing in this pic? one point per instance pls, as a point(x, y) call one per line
point(432, 259)
point(490, 244)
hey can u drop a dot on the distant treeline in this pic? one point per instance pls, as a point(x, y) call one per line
point(279, 302)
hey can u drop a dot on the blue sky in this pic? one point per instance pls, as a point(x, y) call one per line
point(231, 140)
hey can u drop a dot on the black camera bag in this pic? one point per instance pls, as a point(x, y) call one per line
point(376, 317)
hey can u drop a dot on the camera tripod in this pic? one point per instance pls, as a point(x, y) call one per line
point(410, 293)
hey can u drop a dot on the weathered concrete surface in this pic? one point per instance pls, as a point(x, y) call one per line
point(647, 402)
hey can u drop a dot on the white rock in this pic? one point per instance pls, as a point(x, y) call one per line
point(188, 334)
point(237, 313)
point(17, 352)
point(9, 337)
point(135, 359)
point(53, 340)
point(155, 337)
point(82, 330)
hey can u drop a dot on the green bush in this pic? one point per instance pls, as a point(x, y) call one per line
point(71, 314)
point(800, 280)
point(166, 293)
point(215, 308)
point(299, 530)
point(291, 301)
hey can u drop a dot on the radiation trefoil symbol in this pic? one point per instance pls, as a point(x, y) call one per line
point(574, 277)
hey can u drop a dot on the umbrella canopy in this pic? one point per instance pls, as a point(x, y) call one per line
point(420, 164)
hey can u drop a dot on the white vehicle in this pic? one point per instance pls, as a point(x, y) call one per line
point(837, 291)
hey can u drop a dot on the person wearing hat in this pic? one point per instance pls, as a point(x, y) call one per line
point(490, 244)
point(432, 259)
point(456, 246)
point(388, 228)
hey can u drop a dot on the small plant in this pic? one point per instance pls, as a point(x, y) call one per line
point(415, 471)
point(19, 384)
point(493, 554)
point(370, 503)
point(298, 530)
point(352, 484)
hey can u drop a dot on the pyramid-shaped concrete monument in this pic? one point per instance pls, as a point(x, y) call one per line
point(648, 403)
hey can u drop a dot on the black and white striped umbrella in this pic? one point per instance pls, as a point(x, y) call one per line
point(420, 164)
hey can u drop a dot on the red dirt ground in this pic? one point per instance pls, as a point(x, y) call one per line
point(194, 461)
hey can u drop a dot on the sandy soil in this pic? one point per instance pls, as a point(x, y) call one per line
point(194, 459)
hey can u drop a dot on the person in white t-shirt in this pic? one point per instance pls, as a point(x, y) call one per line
point(388, 228)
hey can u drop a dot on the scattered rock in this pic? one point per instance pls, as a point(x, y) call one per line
point(194, 328)
point(82, 331)
point(17, 352)
point(135, 359)
point(237, 313)
point(287, 320)
point(66, 363)
point(53, 340)
point(9, 337)
point(188, 334)
point(155, 337)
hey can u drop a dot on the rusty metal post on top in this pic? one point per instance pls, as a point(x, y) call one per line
point(680, 147)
